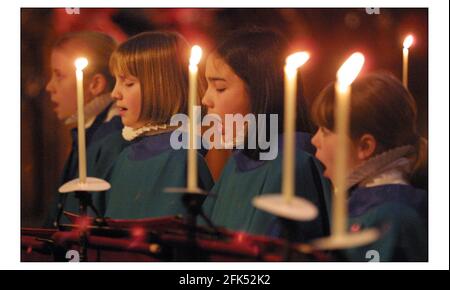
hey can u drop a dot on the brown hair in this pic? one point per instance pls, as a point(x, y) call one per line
point(160, 61)
point(257, 55)
point(383, 107)
point(97, 47)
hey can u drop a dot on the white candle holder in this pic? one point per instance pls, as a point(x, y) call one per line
point(347, 240)
point(81, 191)
point(297, 209)
point(91, 184)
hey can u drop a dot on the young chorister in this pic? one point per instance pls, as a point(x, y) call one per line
point(245, 76)
point(388, 163)
point(151, 71)
point(101, 118)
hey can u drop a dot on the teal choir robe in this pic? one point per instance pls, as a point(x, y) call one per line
point(244, 178)
point(101, 153)
point(141, 175)
point(400, 213)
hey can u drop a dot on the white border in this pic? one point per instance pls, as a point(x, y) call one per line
point(438, 136)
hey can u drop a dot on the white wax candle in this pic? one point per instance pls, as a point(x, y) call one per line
point(293, 62)
point(196, 54)
point(342, 123)
point(345, 76)
point(80, 64)
point(406, 44)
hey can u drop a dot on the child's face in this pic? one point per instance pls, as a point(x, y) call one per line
point(325, 142)
point(127, 94)
point(226, 93)
point(62, 85)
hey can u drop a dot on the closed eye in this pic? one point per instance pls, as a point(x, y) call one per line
point(325, 131)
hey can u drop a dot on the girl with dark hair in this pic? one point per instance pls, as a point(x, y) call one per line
point(245, 76)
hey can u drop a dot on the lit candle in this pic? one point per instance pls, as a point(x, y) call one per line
point(345, 76)
point(293, 62)
point(406, 44)
point(80, 64)
point(196, 55)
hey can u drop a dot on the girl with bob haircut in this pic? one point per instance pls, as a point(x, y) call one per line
point(151, 71)
point(387, 163)
point(245, 75)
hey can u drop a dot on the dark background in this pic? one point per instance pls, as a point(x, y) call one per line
point(330, 35)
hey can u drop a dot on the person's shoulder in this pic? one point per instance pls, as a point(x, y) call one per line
point(146, 147)
point(397, 214)
point(303, 141)
point(115, 136)
point(111, 142)
point(115, 122)
point(402, 234)
point(106, 128)
point(182, 154)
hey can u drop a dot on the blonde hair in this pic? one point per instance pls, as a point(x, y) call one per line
point(160, 61)
point(97, 47)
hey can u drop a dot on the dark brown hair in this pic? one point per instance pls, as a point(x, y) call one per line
point(257, 56)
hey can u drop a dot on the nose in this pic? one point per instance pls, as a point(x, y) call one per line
point(207, 100)
point(115, 94)
point(315, 139)
point(49, 87)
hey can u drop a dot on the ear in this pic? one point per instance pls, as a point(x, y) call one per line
point(97, 85)
point(366, 147)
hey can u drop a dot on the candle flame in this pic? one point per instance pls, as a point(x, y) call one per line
point(81, 63)
point(408, 41)
point(196, 55)
point(296, 60)
point(348, 72)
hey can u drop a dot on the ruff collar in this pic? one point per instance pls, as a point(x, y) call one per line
point(390, 167)
point(92, 109)
point(129, 133)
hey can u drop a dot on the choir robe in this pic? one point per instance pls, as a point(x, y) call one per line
point(142, 173)
point(400, 213)
point(99, 147)
point(243, 179)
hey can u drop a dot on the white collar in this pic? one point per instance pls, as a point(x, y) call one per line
point(129, 133)
point(389, 167)
point(92, 109)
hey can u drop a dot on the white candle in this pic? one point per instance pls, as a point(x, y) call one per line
point(293, 62)
point(80, 64)
point(196, 55)
point(345, 76)
point(406, 44)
